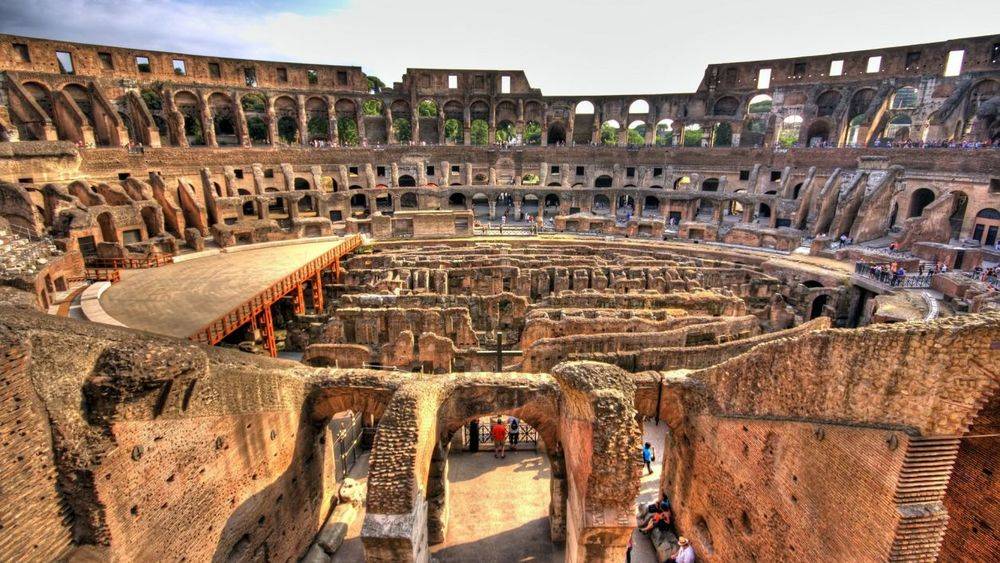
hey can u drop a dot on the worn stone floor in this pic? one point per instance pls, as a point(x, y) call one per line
point(499, 509)
point(180, 298)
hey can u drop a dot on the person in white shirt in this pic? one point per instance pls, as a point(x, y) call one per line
point(685, 553)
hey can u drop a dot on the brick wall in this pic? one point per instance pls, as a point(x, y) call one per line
point(34, 523)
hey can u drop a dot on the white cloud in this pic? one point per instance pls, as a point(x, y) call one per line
point(565, 46)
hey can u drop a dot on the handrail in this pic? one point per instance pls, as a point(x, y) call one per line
point(213, 332)
point(154, 261)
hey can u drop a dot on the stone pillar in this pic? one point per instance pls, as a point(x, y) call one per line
point(597, 409)
point(441, 121)
point(414, 126)
point(333, 134)
point(570, 124)
point(390, 135)
point(242, 130)
point(678, 134)
point(466, 125)
point(207, 122)
point(272, 122)
point(445, 174)
point(300, 108)
point(394, 174)
point(421, 174)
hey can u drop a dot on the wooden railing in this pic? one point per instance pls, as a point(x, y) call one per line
point(112, 275)
point(153, 261)
point(215, 331)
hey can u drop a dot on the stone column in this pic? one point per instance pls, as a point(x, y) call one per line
point(272, 122)
point(333, 134)
point(394, 174)
point(678, 134)
point(390, 135)
point(207, 122)
point(570, 125)
point(441, 122)
point(300, 108)
point(242, 130)
point(414, 126)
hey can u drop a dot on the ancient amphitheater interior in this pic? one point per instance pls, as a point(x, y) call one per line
point(263, 311)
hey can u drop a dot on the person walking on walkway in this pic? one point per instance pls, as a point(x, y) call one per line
point(499, 434)
point(648, 456)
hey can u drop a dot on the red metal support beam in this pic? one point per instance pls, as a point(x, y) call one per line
point(317, 288)
point(215, 331)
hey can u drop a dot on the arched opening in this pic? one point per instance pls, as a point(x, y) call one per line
point(306, 205)
point(682, 183)
point(665, 133)
point(288, 129)
point(505, 132)
point(693, 136)
point(818, 133)
point(920, 199)
point(408, 200)
point(735, 207)
point(639, 107)
point(651, 205)
point(317, 119)
point(359, 206)
point(723, 135)
point(530, 180)
point(481, 206)
point(151, 221)
point(960, 202)
point(710, 185)
point(479, 132)
point(609, 132)
point(557, 133)
point(636, 134)
point(301, 184)
point(898, 128)
point(453, 131)
point(383, 203)
point(372, 107)
point(249, 207)
point(552, 202)
point(223, 120)
point(529, 206)
point(427, 108)
point(726, 105)
point(986, 226)
point(796, 190)
point(584, 108)
point(603, 181)
point(407, 181)
point(187, 104)
point(905, 98)
point(106, 222)
point(760, 104)
point(402, 129)
point(764, 211)
point(602, 205)
point(827, 102)
point(818, 304)
point(457, 201)
point(532, 133)
point(791, 128)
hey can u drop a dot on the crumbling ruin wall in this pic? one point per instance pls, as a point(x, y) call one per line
point(174, 449)
point(831, 444)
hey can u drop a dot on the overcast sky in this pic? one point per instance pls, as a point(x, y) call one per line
point(565, 46)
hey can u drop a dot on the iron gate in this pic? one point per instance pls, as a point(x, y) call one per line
point(527, 437)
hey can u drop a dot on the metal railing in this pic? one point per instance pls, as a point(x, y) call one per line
point(213, 332)
point(152, 261)
point(527, 437)
point(892, 279)
point(347, 446)
point(993, 280)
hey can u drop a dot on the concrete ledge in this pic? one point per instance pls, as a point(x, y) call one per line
point(90, 305)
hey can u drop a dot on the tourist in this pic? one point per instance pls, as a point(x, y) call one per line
point(499, 434)
point(648, 457)
point(685, 553)
point(662, 521)
point(514, 429)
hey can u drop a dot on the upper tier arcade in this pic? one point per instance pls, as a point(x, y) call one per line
point(109, 96)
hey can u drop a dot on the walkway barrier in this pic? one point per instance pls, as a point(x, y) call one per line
point(260, 304)
point(153, 261)
point(890, 279)
point(112, 275)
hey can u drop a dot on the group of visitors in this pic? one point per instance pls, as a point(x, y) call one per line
point(657, 523)
point(504, 433)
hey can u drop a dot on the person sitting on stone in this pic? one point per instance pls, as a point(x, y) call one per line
point(685, 553)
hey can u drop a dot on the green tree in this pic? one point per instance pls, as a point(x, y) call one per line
point(609, 135)
point(319, 127)
point(192, 128)
point(637, 135)
point(152, 100)
point(479, 132)
point(664, 135)
point(375, 85)
point(401, 127)
point(723, 135)
point(347, 130)
point(254, 103)
point(257, 129)
point(692, 137)
point(453, 131)
point(506, 132)
point(287, 129)
point(532, 133)
point(372, 107)
point(427, 108)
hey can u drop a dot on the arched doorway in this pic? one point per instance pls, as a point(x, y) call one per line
point(920, 199)
point(818, 304)
point(407, 181)
point(456, 201)
point(987, 224)
point(557, 134)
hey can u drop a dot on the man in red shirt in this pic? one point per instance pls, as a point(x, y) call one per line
point(499, 434)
